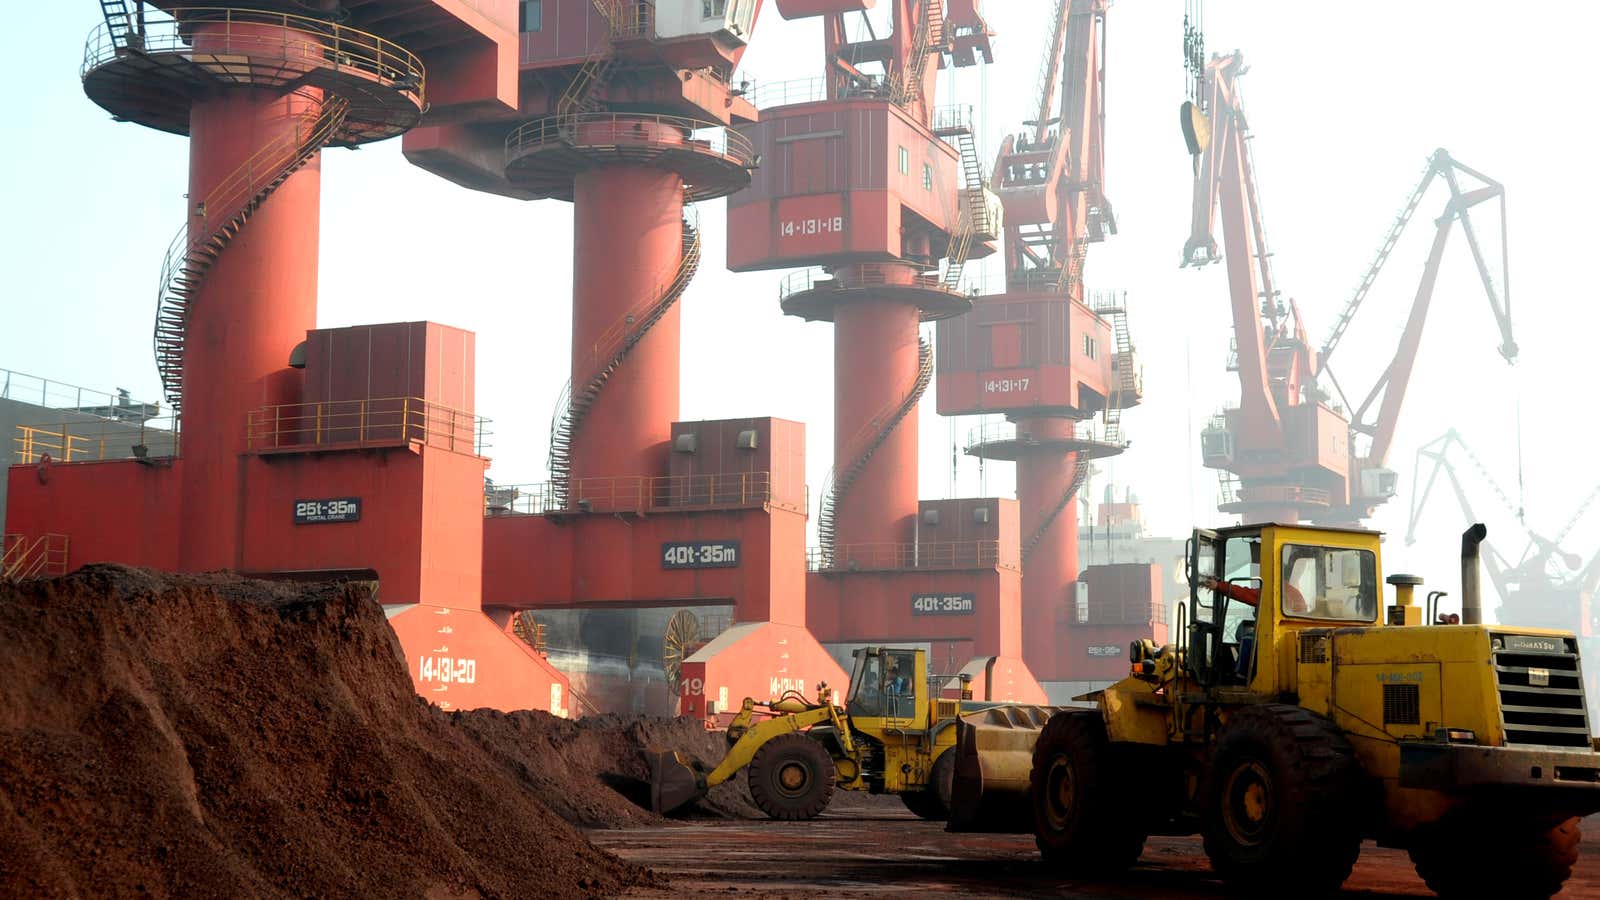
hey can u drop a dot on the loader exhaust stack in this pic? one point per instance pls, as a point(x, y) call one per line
point(1471, 599)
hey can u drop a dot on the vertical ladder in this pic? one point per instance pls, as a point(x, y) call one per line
point(119, 21)
point(1124, 379)
point(906, 87)
point(974, 214)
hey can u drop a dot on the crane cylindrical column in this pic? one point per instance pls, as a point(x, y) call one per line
point(627, 247)
point(876, 359)
point(254, 305)
point(1050, 565)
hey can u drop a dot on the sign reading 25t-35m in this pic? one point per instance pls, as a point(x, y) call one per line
point(699, 554)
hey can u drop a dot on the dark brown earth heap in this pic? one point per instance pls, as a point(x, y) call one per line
point(594, 772)
point(211, 736)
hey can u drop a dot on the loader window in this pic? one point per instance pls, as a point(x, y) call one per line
point(1338, 583)
point(882, 684)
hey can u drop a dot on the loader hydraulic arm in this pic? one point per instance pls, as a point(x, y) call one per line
point(744, 749)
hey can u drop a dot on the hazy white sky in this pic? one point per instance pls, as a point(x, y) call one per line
point(1346, 102)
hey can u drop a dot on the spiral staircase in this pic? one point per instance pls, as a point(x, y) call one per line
point(874, 434)
point(610, 351)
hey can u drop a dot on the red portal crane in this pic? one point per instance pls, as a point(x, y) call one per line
point(870, 186)
point(304, 453)
point(1038, 353)
point(1286, 452)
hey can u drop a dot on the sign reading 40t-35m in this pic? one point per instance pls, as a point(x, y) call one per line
point(699, 554)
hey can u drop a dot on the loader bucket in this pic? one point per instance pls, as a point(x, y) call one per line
point(674, 781)
point(994, 756)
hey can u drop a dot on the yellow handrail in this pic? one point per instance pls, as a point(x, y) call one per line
point(374, 421)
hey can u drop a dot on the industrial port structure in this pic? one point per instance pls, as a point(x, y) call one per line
point(663, 566)
point(659, 551)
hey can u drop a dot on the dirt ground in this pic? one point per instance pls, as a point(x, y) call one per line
point(881, 851)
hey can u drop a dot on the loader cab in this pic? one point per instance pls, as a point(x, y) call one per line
point(1221, 631)
point(1299, 576)
point(889, 684)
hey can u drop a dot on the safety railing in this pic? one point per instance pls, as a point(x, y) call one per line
point(21, 558)
point(251, 36)
point(952, 117)
point(864, 276)
point(37, 391)
point(379, 422)
point(621, 130)
point(925, 555)
point(999, 431)
point(96, 439)
point(633, 494)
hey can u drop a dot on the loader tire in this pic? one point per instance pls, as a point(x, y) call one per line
point(1492, 860)
point(1280, 802)
point(792, 777)
point(933, 801)
point(1083, 820)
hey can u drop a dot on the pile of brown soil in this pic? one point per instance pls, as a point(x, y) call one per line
point(210, 736)
point(594, 772)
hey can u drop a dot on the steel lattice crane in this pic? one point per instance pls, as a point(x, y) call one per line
point(1548, 586)
point(1287, 452)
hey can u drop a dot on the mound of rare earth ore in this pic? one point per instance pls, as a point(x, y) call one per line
point(206, 735)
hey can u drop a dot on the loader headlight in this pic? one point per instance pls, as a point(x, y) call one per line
point(1456, 735)
point(1497, 643)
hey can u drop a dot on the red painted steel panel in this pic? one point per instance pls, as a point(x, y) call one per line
point(536, 561)
point(254, 305)
point(1043, 478)
point(800, 9)
point(627, 428)
point(74, 499)
point(761, 661)
point(461, 659)
point(875, 365)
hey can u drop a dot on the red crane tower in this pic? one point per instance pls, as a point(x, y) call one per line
point(305, 453)
point(1286, 452)
point(1038, 353)
point(663, 561)
point(870, 186)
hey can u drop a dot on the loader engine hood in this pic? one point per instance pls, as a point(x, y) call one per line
point(1486, 684)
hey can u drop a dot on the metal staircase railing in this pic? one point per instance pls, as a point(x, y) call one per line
point(609, 351)
point(1080, 474)
point(22, 558)
point(579, 97)
point(1071, 276)
point(119, 22)
point(1125, 379)
point(974, 214)
point(906, 87)
point(875, 433)
point(232, 202)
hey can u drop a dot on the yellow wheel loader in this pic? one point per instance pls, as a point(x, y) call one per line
point(890, 737)
point(1298, 715)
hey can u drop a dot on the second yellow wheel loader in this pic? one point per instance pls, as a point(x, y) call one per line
point(890, 737)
